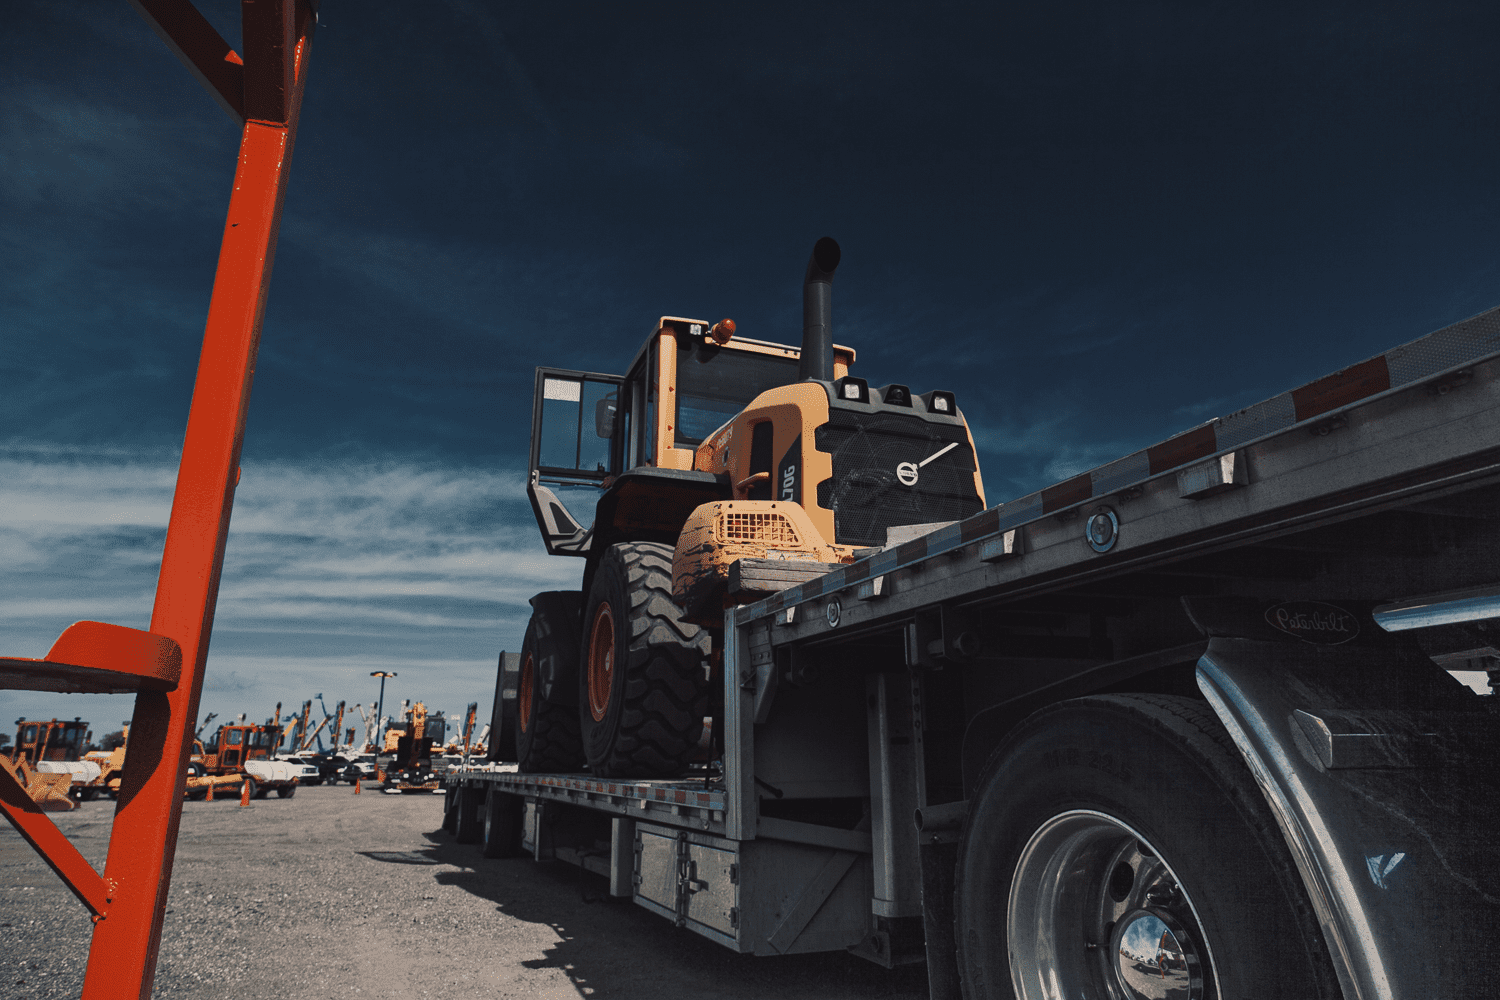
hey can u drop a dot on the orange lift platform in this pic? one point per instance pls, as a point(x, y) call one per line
point(163, 667)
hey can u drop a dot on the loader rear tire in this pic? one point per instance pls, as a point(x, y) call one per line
point(643, 692)
point(286, 791)
point(547, 731)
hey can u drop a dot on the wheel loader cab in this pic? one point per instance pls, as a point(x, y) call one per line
point(51, 740)
point(629, 443)
point(232, 746)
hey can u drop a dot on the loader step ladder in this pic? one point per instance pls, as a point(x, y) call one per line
point(163, 667)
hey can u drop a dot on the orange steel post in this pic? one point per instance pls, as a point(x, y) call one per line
point(122, 958)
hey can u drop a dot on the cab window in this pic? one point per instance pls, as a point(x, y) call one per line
point(714, 383)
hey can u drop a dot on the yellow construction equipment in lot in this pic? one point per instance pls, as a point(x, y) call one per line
point(50, 791)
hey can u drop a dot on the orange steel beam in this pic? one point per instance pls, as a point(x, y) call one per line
point(201, 48)
point(122, 958)
point(270, 31)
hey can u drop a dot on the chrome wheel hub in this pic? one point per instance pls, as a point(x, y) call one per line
point(1154, 957)
point(1095, 911)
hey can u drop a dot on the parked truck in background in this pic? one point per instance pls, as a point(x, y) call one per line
point(1187, 724)
point(242, 752)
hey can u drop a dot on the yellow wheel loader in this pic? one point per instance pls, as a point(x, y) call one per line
point(47, 760)
point(718, 469)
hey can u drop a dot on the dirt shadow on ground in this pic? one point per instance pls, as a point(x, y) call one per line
point(612, 947)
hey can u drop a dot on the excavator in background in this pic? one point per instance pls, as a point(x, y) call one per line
point(471, 745)
point(211, 716)
point(299, 727)
point(409, 768)
point(329, 765)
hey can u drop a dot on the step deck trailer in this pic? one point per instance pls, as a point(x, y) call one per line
point(1312, 568)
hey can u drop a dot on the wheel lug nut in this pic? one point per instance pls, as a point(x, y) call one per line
point(1161, 895)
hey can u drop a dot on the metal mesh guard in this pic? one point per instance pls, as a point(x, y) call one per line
point(758, 528)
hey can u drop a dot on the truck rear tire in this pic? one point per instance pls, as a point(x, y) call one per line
point(469, 828)
point(643, 692)
point(1118, 846)
point(286, 791)
point(503, 816)
point(547, 732)
point(450, 809)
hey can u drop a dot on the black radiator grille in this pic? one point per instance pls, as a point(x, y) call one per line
point(866, 494)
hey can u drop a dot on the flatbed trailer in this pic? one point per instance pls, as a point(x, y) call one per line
point(1302, 577)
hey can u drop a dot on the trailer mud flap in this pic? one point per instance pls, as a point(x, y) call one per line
point(1391, 830)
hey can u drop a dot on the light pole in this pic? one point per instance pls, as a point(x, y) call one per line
point(380, 707)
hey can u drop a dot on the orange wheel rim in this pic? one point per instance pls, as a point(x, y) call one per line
point(601, 660)
point(523, 693)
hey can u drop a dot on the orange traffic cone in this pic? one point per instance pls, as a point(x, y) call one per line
point(244, 793)
point(209, 796)
point(357, 783)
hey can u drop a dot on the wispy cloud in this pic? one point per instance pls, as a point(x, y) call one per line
point(330, 571)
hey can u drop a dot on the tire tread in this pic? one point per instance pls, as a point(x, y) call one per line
point(665, 694)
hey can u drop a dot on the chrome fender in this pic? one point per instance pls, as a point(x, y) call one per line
point(1381, 775)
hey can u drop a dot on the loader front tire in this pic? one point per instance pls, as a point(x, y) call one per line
point(547, 731)
point(643, 692)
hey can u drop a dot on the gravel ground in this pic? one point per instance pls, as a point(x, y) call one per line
point(285, 899)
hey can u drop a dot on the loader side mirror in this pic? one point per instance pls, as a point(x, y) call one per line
point(604, 415)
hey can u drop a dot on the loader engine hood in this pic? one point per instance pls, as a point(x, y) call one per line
point(897, 459)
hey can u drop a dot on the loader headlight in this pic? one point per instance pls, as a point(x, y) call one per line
point(852, 390)
point(939, 401)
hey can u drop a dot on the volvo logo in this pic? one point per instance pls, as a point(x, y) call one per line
point(907, 473)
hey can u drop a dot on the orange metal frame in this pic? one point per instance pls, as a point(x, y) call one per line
point(262, 92)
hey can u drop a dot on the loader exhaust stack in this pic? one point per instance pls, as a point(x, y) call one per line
point(817, 311)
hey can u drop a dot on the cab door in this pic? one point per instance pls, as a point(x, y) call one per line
point(578, 430)
point(230, 753)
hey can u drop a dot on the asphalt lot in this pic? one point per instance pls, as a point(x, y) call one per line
point(329, 894)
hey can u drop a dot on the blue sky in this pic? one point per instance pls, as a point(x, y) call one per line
point(1098, 227)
